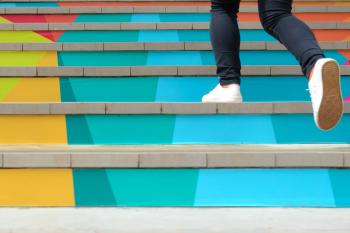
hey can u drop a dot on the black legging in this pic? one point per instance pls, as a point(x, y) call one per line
point(277, 20)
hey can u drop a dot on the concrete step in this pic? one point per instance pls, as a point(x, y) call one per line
point(149, 26)
point(165, 123)
point(136, 71)
point(151, 46)
point(152, 9)
point(159, 108)
point(174, 156)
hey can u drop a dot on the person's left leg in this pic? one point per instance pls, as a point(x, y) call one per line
point(323, 73)
point(225, 40)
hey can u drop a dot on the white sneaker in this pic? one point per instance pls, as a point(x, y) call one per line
point(230, 93)
point(325, 91)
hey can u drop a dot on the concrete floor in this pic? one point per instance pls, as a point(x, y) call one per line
point(174, 220)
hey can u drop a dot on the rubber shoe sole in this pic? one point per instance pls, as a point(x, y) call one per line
point(331, 108)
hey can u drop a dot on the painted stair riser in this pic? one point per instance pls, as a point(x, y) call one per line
point(150, 58)
point(179, 58)
point(172, 89)
point(149, 36)
point(169, 129)
point(175, 187)
point(152, 89)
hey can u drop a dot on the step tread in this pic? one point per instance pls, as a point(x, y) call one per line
point(174, 156)
point(151, 46)
point(150, 26)
point(160, 108)
point(151, 9)
point(117, 71)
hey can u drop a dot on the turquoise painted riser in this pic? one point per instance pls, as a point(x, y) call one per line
point(212, 187)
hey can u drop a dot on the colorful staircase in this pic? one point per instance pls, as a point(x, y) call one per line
point(101, 106)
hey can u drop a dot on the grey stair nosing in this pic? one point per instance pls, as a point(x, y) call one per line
point(193, 108)
point(173, 159)
point(150, 26)
point(151, 9)
point(164, 46)
point(134, 71)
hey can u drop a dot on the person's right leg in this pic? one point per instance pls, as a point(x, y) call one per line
point(323, 73)
point(225, 41)
point(277, 20)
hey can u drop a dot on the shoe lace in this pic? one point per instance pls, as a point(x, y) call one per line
point(313, 92)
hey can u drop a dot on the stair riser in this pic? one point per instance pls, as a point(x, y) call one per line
point(151, 58)
point(339, 37)
point(152, 89)
point(169, 129)
point(179, 187)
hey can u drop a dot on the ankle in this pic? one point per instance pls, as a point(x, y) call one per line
point(228, 85)
point(311, 72)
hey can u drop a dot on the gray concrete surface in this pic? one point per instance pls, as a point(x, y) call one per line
point(175, 156)
point(174, 220)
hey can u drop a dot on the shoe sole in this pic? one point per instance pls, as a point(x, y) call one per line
point(331, 108)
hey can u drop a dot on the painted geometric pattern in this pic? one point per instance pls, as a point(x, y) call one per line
point(155, 129)
point(175, 187)
point(168, 129)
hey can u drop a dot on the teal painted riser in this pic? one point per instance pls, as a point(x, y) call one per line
point(212, 187)
point(202, 129)
point(143, 17)
point(155, 36)
point(29, 4)
point(178, 58)
point(181, 89)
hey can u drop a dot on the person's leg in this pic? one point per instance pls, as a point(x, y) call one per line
point(296, 36)
point(323, 73)
point(225, 40)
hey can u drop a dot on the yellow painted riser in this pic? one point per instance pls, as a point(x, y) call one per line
point(33, 129)
point(30, 89)
point(36, 187)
